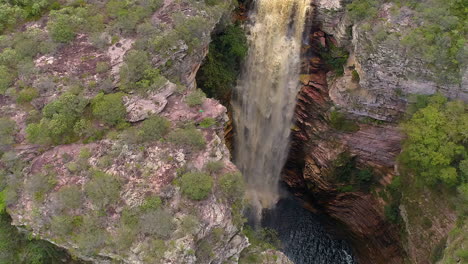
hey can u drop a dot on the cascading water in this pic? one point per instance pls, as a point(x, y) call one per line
point(264, 100)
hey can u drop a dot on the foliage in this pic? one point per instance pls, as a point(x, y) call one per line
point(154, 249)
point(109, 108)
point(7, 77)
point(440, 38)
point(218, 74)
point(157, 222)
point(339, 121)
point(70, 197)
point(355, 76)
point(59, 118)
point(65, 225)
point(14, 11)
point(196, 185)
point(103, 189)
point(189, 224)
point(136, 63)
point(232, 185)
point(154, 128)
point(15, 247)
point(189, 136)
point(128, 14)
point(207, 122)
point(262, 238)
point(102, 67)
point(436, 142)
point(41, 183)
point(64, 23)
point(151, 203)
point(346, 172)
point(362, 9)
point(195, 98)
point(335, 58)
point(26, 95)
point(7, 131)
point(214, 166)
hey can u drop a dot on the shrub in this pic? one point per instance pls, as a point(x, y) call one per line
point(335, 58)
point(65, 225)
point(27, 95)
point(189, 224)
point(92, 235)
point(438, 40)
point(195, 98)
point(16, 247)
point(128, 14)
point(40, 184)
point(151, 203)
point(154, 128)
point(109, 108)
point(189, 136)
point(207, 122)
point(157, 222)
point(70, 197)
point(355, 76)
point(102, 67)
point(214, 166)
point(32, 42)
point(124, 238)
point(196, 185)
point(59, 118)
point(154, 250)
point(362, 9)
point(338, 121)
point(232, 185)
point(7, 130)
point(136, 63)
point(6, 78)
point(63, 24)
point(103, 189)
point(218, 74)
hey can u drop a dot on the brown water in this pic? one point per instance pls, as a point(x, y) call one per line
point(264, 100)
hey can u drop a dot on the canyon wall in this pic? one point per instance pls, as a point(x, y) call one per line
point(373, 104)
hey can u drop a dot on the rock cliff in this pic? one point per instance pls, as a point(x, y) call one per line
point(371, 97)
point(138, 213)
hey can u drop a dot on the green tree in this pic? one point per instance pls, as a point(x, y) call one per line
point(232, 186)
point(59, 118)
point(196, 185)
point(109, 108)
point(435, 142)
point(7, 130)
point(103, 189)
point(189, 136)
point(219, 72)
point(154, 128)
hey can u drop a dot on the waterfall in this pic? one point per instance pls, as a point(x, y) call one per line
point(264, 99)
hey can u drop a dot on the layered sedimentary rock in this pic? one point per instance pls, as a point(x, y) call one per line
point(316, 145)
point(386, 76)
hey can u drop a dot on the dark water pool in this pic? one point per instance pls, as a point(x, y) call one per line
point(303, 238)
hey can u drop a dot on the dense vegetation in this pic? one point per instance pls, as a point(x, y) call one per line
point(436, 147)
point(222, 66)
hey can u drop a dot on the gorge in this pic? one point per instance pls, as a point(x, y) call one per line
point(233, 131)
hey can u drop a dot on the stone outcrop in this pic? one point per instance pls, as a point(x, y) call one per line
point(388, 73)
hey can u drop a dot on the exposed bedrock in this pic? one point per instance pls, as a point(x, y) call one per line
point(314, 148)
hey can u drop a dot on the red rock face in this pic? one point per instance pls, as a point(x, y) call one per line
point(314, 147)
